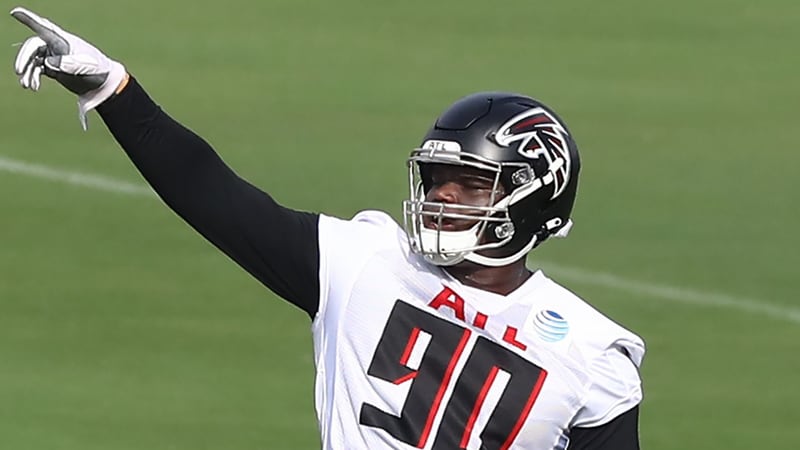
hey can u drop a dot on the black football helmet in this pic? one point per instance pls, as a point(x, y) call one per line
point(531, 154)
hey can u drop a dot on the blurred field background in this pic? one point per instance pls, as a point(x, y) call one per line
point(122, 329)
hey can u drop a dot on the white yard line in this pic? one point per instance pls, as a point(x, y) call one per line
point(662, 292)
point(98, 182)
point(675, 294)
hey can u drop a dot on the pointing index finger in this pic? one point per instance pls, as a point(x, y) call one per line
point(48, 31)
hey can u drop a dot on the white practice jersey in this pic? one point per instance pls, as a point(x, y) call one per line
point(409, 358)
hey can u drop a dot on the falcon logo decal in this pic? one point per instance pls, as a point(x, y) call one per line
point(540, 135)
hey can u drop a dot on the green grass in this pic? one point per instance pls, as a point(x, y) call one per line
point(121, 329)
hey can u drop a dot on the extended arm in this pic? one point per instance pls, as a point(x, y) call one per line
point(276, 245)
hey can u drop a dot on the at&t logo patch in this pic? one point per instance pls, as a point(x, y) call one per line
point(550, 326)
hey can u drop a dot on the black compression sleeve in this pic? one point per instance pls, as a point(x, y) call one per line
point(277, 245)
point(621, 433)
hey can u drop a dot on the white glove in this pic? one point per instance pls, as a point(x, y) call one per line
point(73, 62)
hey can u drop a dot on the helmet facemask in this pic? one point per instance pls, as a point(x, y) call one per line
point(492, 228)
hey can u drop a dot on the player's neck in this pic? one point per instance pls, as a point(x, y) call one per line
point(500, 280)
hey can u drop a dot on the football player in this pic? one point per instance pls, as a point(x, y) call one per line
point(430, 335)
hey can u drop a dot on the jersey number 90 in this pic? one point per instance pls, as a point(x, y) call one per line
point(432, 381)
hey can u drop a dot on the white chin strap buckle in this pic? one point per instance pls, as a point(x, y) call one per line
point(563, 231)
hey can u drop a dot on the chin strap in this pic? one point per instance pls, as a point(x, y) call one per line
point(498, 262)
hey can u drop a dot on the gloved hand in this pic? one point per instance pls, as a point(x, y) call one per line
point(73, 62)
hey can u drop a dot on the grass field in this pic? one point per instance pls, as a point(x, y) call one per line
point(122, 329)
